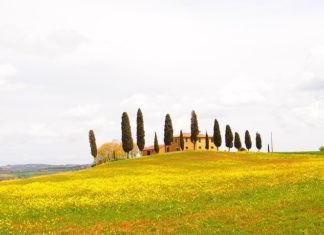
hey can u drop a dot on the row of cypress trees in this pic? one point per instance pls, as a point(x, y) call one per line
point(128, 144)
point(217, 138)
point(237, 140)
point(230, 140)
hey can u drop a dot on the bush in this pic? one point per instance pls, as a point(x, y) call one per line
point(242, 149)
point(100, 160)
point(321, 149)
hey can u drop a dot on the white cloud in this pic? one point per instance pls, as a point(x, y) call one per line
point(42, 131)
point(244, 91)
point(313, 77)
point(311, 114)
point(82, 111)
point(62, 42)
point(8, 83)
point(317, 50)
point(54, 44)
point(137, 100)
point(11, 87)
point(7, 70)
point(313, 84)
point(254, 65)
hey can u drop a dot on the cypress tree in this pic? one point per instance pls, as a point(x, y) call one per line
point(237, 141)
point(217, 138)
point(156, 144)
point(140, 133)
point(258, 141)
point(268, 148)
point(181, 141)
point(127, 139)
point(248, 141)
point(194, 128)
point(93, 145)
point(207, 141)
point(168, 131)
point(228, 137)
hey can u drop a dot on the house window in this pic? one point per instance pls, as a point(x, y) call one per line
point(199, 140)
point(176, 140)
point(186, 139)
point(187, 147)
point(199, 147)
point(212, 147)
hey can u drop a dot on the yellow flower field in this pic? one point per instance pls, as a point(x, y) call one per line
point(184, 192)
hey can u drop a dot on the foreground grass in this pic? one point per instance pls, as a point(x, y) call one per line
point(183, 192)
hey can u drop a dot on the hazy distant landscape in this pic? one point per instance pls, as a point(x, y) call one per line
point(29, 170)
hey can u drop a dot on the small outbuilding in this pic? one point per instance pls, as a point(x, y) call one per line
point(147, 151)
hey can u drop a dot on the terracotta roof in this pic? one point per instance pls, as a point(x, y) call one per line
point(187, 135)
point(152, 147)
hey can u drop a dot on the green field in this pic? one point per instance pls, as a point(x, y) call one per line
point(196, 192)
point(27, 174)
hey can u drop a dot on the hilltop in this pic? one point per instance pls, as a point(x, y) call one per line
point(180, 192)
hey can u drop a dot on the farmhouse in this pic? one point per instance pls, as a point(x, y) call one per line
point(150, 150)
point(188, 145)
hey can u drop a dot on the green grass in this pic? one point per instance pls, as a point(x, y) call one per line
point(179, 193)
point(306, 152)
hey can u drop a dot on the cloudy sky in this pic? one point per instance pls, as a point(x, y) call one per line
point(70, 66)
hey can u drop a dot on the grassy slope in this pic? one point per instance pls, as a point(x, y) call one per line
point(187, 192)
point(308, 152)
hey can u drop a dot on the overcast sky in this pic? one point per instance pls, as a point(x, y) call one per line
point(70, 66)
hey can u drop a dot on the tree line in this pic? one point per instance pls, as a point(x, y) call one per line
point(128, 143)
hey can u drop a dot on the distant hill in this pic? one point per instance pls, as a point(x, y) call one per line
point(27, 170)
point(39, 167)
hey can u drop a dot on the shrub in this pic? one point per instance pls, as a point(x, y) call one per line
point(99, 160)
point(242, 149)
point(321, 149)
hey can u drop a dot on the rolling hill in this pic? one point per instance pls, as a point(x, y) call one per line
point(178, 193)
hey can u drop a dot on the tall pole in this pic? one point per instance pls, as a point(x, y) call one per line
point(271, 143)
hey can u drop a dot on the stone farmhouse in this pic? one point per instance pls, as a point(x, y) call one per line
point(188, 145)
